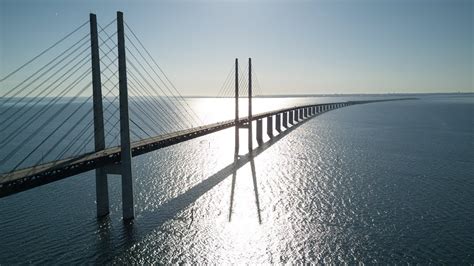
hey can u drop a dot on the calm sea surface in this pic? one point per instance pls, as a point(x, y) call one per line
point(376, 183)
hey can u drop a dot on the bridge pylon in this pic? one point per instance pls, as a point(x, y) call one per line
point(238, 124)
point(102, 193)
point(126, 151)
point(124, 167)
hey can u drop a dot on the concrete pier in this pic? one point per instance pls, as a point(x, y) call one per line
point(285, 119)
point(270, 126)
point(278, 122)
point(259, 132)
point(290, 118)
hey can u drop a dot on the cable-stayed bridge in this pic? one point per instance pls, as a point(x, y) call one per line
point(96, 98)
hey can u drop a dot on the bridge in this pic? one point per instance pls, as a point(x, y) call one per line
point(158, 122)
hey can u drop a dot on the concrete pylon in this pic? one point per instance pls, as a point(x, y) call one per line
point(250, 105)
point(101, 184)
point(126, 153)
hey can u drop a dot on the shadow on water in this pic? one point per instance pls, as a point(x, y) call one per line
point(132, 233)
point(254, 179)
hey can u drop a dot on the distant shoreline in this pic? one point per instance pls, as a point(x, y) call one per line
point(342, 95)
point(304, 95)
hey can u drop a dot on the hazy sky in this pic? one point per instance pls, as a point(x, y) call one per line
point(351, 46)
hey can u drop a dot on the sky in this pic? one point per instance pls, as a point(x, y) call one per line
point(297, 47)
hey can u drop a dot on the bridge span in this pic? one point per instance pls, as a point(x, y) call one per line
point(144, 79)
point(28, 178)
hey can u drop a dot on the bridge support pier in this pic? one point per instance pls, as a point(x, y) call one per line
point(278, 123)
point(259, 132)
point(270, 126)
point(285, 119)
point(101, 192)
point(290, 118)
point(295, 115)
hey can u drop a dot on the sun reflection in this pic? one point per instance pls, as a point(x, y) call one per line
point(252, 234)
point(236, 213)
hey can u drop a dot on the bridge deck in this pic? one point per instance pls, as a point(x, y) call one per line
point(27, 178)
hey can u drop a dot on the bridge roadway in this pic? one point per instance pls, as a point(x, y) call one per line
point(27, 178)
